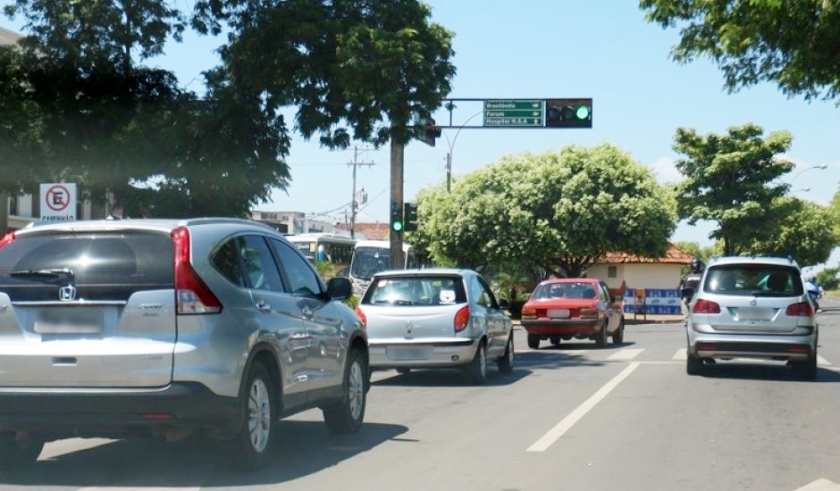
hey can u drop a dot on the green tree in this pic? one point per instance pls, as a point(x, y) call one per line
point(798, 229)
point(731, 179)
point(829, 278)
point(793, 43)
point(554, 213)
point(355, 69)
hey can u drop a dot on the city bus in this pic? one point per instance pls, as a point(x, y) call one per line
point(324, 247)
point(371, 257)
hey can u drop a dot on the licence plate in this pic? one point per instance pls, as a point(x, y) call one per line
point(558, 313)
point(69, 321)
point(409, 352)
point(754, 314)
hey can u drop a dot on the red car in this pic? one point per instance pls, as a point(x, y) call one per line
point(566, 308)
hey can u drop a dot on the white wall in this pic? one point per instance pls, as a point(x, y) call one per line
point(645, 275)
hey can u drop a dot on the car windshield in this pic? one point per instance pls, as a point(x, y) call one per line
point(754, 280)
point(565, 290)
point(416, 290)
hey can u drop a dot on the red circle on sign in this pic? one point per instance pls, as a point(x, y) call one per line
point(60, 204)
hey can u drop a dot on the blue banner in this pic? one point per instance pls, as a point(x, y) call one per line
point(652, 301)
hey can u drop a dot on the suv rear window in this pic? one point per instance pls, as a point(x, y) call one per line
point(753, 279)
point(103, 266)
point(416, 290)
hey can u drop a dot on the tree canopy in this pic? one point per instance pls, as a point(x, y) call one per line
point(80, 105)
point(793, 43)
point(731, 179)
point(554, 213)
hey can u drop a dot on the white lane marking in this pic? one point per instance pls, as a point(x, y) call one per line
point(681, 354)
point(821, 484)
point(823, 362)
point(566, 424)
point(71, 445)
point(625, 354)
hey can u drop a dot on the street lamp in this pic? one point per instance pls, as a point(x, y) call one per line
point(821, 166)
point(451, 145)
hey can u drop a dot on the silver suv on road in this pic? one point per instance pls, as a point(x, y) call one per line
point(121, 328)
point(752, 307)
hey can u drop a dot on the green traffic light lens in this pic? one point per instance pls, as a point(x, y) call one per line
point(582, 112)
point(397, 226)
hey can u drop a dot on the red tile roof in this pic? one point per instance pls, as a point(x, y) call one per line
point(373, 231)
point(674, 255)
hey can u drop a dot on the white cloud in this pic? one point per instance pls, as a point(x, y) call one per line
point(666, 171)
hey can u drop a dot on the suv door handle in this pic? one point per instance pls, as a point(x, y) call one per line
point(307, 312)
point(263, 306)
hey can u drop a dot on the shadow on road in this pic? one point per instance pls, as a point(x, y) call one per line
point(780, 372)
point(303, 448)
point(452, 377)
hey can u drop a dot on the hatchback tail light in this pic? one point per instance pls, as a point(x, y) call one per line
point(362, 317)
point(804, 309)
point(462, 319)
point(705, 307)
point(191, 294)
point(7, 239)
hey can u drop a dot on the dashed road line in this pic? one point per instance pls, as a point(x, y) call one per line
point(680, 355)
point(569, 421)
point(625, 354)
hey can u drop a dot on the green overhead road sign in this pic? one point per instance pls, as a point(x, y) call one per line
point(513, 113)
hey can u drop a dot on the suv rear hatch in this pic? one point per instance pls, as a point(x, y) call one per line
point(87, 309)
point(753, 299)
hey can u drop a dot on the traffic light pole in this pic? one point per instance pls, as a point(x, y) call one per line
point(397, 154)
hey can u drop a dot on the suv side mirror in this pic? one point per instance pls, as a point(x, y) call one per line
point(339, 288)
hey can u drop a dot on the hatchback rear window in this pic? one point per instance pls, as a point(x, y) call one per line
point(754, 280)
point(101, 266)
point(416, 290)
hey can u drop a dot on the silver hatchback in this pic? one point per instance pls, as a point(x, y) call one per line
point(120, 328)
point(436, 318)
point(752, 307)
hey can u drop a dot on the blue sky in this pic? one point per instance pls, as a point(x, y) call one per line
point(543, 49)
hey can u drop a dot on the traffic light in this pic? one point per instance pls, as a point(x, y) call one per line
point(568, 113)
point(410, 217)
point(428, 132)
point(397, 225)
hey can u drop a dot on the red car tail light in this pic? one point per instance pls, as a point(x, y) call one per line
point(705, 307)
point(7, 239)
point(528, 313)
point(362, 317)
point(192, 295)
point(462, 319)
point(588, 313)
point(804, 309)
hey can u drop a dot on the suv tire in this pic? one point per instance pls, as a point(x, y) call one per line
point(253, 447)
point(347, 415)
point(693, 364)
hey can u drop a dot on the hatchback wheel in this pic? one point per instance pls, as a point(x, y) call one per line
point(16, 453)
point(505, 363)
point(477, 369)
point(533, 341)
point(601, 337)
point(253, 446)
point(348, 414)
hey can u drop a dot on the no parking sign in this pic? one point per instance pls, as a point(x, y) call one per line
point(58, 202)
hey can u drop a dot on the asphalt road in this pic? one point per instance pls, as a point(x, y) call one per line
point(569, 417)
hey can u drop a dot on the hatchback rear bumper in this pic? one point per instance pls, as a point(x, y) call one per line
point(422, 355)
point(113, 412)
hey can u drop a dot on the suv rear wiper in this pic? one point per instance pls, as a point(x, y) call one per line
point(44, 274)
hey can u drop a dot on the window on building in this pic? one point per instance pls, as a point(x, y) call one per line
point(612, 271)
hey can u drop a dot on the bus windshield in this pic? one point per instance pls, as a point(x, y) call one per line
point(367, 261)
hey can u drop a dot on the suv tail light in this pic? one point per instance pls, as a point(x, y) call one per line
point(192, 295)
point(801, 309)
point(705, 307)
point(462, 319)
point(362, 317)
point(7, 239)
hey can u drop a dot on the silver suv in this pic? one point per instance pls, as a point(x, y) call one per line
point(752, 307)
point(120, 328)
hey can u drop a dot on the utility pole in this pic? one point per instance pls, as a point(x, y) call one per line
point(354, 204)
point(397, 154)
